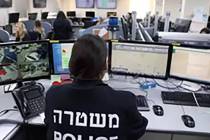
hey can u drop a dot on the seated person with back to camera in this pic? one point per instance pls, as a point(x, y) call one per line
point(62, 27)
point(21, 32)
point(88, 108)
point(39, 30)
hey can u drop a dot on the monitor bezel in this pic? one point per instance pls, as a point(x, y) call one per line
point(187, 78)
point(32, 78)
point(165, 77)
point(51, 46)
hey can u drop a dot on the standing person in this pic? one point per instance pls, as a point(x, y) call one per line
point(62, 27)
point(21, 32)
point(89, 108)
point(40, 30)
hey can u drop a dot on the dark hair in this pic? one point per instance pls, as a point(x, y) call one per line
point(88, 58)
point(38, 23)
point(205, 31)
point(61, 15)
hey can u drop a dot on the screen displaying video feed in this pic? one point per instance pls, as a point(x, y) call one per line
point(24, 61)
point(147, 60)
point(8, 63)
point(191, 64)
point(84, 3)
point(61, 57)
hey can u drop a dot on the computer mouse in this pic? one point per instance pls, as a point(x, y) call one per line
point(188, 121)
point(158, 110)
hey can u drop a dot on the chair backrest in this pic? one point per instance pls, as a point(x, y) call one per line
point(34, 35)
point(4, 36)
point(29, 25)
point(47, 27)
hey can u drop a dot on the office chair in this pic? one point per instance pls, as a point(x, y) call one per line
point(4, 36)
point(182, 25)
point(29, 25)
point(47, 27)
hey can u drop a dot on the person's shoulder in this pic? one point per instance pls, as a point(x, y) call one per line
point(53, 90)
point(124, 96)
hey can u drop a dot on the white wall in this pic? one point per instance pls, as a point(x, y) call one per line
point(174, 7)
point(17, 6)
point(191, 5)
point(142, 7)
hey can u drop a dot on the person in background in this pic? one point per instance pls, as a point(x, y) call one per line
point(62, 27)
point(21, 32)
point(40, 30)
point(205, 31)
point(72, 109)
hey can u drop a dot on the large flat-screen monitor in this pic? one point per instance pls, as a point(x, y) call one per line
point(106, 4)
point(24, 61)
point(39, 3)
point(84, 3)
point(5, 3)
point(61, 52)
point(191, 64)
point(140, 59)
point(13, 17)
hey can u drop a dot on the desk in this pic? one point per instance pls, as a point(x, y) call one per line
point(170, 126)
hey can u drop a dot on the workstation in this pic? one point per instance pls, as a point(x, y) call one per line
point(157, 53)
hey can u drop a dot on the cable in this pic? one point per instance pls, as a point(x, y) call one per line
point(170, 88)
point(183, 110)
point(200, 89)
point(195, 99)
point(3, 112)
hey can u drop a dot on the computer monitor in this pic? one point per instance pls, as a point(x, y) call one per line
point(191, 63)
point(13, 17)
point(90, 14)
point(111, 14)
point(71, 13)
point(44, 15)
point(32, 16)
point(61, 52)
point(24, 61)
point(140, 59)
point(182, 25)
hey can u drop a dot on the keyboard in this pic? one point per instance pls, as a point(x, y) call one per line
point(203, 99)
point(178, 98)
point(141, 103)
